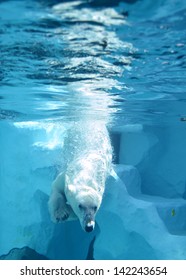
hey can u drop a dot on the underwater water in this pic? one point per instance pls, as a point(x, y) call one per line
point(118, 63)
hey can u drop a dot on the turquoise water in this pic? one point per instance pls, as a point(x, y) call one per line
point(120, 63)
point(126, 61)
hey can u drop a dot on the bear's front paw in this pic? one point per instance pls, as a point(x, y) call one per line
point(59, 210)
point(60, 215)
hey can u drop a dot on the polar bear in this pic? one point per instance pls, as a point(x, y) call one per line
point(77, 192)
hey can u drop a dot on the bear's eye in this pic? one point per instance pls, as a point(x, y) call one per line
point(80, 206)
point(95, 208)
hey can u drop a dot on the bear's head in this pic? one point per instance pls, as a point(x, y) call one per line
point(85, 203)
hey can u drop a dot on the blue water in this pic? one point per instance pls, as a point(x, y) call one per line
point(119, 62)
point(130, 58)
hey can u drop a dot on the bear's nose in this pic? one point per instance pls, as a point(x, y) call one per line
point(89, 226)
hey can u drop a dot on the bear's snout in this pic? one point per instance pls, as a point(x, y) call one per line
point(89, 222)
point(90, 226)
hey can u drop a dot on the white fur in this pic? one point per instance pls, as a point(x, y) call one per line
point(77, 192)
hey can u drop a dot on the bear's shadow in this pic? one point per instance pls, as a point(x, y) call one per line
point(68, 241)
